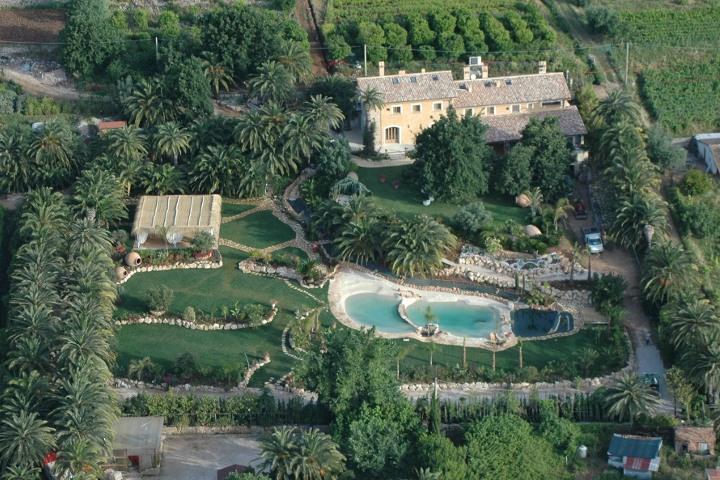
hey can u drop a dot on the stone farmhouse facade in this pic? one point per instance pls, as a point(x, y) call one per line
point(414, 101)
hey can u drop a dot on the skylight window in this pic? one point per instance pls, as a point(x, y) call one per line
point(396, 81)
point(435, 78)
point(413, 79)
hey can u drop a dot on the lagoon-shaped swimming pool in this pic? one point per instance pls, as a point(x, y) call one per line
point(379, 311)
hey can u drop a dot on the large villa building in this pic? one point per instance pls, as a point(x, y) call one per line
point(414, 101)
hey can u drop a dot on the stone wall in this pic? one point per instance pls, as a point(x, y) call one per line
point(249, 266)
point(174, 266)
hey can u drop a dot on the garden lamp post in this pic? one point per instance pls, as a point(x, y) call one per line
point(649, 231)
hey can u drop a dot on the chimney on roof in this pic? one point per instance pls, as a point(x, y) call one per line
point(401, 72)
point(422, 70)
point(475, 69)
point(381, 68)
point(542, 67)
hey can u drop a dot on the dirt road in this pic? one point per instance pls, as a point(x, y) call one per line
point(306, 16)
point(34, 86)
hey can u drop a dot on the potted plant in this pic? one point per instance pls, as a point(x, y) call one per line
point(159, 300)
point(202, 245)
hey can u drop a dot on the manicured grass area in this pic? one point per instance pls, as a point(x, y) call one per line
point(407, 200)
point(230, 209)
point(298, 252)
point(258, 230)
point(207, 290)
point(535, 353)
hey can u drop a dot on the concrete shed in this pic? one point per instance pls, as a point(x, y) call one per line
point(706, 146)
point(138, 440)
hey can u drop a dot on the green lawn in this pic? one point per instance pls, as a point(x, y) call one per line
point(208, 290)
point(535, 353)
point(407, 201)
point(258, 230)
point(231, 209)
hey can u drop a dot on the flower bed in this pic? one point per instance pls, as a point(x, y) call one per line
point(215, 262)
point(179, 322)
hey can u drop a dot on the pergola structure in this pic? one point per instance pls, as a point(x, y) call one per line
point(175, 219)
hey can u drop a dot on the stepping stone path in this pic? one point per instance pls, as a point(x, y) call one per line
point(268, 204)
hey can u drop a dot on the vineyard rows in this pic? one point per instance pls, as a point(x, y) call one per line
point(349, 10)
point(684, 97)
point(671, 26)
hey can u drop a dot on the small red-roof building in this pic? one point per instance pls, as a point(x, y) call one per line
point(106, 125)
point(712, 474)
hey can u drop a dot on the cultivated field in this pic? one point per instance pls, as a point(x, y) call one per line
point(31, 25)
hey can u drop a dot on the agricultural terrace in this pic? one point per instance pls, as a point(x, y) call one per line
point(400, 32)
point(31, 25)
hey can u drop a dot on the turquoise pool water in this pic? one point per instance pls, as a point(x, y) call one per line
point(458, 318)
point(374, 310)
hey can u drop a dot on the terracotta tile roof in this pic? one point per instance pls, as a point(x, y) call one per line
point(111, 124)
point(509, 90)
point(508, 128)
point(402, 88)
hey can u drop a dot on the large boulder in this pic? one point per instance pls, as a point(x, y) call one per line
point(522, 200)
point(532, 231)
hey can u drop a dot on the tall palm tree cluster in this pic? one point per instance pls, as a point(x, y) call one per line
point(364, 233)
point(56, 368)
point(689, 321)
point(631, 177)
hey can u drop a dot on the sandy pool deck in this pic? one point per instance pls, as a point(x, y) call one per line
point(348, 282)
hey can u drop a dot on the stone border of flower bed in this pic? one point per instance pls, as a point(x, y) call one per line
point(196, 389)
point(173, 266)
point(179, 322)
point(252, 267)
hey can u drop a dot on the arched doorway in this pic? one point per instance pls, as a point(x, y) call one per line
point(392, 135)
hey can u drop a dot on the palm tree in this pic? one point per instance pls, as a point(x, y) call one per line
point(147, 104)
point(297, 61)
point(100, 192)
point(371, 98)
point(618, 106)
point(142, 369)
point(52, 149)
point(16, 167)
point(704, 366)
point(316, 457)
point(633, 214)
point(226, 171)
point(17, 472)
point(691, 320)
point(24, 439)
point(218, 76)
point(417, 246)
point(349, 185)
point(277, 452)
point(324, 112)
point(163, 179)
point(127, 143)
point(358, 241)
point(78, 457)
point(272, 83)
point(631, 397)
point(561, 211)
point(667, 270)
point(536, 200)
point(172, 140)
point(427, 474)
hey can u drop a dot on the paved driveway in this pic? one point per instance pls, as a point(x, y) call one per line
point(198, 457)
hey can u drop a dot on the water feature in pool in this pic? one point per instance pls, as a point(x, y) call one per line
point(375, 310)
point(528, 322)
point(458, 318)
